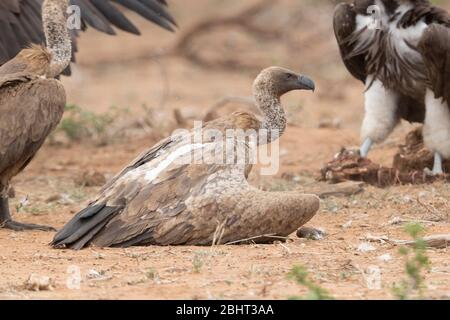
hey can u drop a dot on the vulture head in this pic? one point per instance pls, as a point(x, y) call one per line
point(278, 81)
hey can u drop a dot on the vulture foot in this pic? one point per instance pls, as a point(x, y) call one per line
point(365, 148)
point(7, 223)
point(437, 168)
point(17, 226)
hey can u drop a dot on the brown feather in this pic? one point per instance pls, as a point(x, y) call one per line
point(34, 61)
point(29, 112)
point(435, 47)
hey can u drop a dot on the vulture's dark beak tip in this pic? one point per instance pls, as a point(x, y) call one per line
point(306, 83)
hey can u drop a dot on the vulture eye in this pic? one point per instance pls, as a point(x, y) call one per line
point(290, 76)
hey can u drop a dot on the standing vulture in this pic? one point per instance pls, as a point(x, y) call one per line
point(21, 20)
point(31, 101)
point(400, 49)
point(180, 190)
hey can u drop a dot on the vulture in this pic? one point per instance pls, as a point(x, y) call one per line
point(21, 21)
point(178, 191)
point(32, 102)
point(400, 50)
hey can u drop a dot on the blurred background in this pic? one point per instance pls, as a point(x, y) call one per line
point(160, 80)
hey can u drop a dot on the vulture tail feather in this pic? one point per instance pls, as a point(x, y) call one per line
point(84, 226)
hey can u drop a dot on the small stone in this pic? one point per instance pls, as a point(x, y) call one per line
point(92, 274)
point(98, 276)
point(36, 282)
point(385, 257)
point(311, 233)
point(395, 221)
point(347, 225)
point(366, 247)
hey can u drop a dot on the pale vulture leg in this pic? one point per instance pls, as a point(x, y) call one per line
point(436, 132)
point(380, 115)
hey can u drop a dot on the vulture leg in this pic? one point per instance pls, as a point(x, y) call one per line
point(365, 147)
point(435, 48)
point(381, 114)
point(436, 131)
point(437, 169)
point(7, 223)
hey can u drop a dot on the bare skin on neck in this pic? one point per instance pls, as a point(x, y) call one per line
point(57, 36)
point(268, 88)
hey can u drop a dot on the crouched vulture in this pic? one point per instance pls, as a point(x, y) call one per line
point(186, 191)
point(400, 49)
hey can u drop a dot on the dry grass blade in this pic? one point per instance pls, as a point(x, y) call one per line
point(441, 241)
point(264, 236)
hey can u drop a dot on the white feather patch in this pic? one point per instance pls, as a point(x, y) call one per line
point(152, 169)
point(436, 132)
point(381, 112)
point(177, 154)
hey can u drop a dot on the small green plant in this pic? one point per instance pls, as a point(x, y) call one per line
point(79, 124)
point(315, 292)
point(198, 262)
point(152, 274)
point(78, 194)
point(416, 262)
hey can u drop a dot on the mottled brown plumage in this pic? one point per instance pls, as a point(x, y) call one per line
point(173, 194)
point(31, 102)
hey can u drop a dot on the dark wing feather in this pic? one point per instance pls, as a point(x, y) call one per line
point(84, 225)
point(435, 48)
point(100, 14)
point(155, 214)
point(113, 15)
point(88, 222)
point(93, 17)
point(21, 21)
point(344, 26)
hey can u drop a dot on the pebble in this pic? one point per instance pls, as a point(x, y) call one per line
point(36, 282)
point(311, 233)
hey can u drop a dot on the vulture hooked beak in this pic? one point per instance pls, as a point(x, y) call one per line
point(306, 83)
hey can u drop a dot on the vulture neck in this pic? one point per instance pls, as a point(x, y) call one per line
point(274, 122)
point(57, 35)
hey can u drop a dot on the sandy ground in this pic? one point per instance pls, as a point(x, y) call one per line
point(117, 72)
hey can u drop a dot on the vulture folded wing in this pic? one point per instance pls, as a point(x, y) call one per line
point(15, 78)
point(345, 29)
point(144, 158)
point(30, 109)
point(158, 214)
point(147, 203)
point(435, 49)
